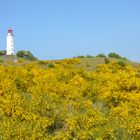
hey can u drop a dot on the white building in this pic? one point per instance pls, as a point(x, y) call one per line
point(10, 43)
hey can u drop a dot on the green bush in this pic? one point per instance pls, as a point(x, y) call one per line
point(20, 61)
point(121, 63)
point(101, 55)
point(89, 56)
point(123, 58)
point(80, 56)
point(50, 65)
point(43, 62)
point(3, 52)
point(114, 55)
point(26, 54)
point(106, 60)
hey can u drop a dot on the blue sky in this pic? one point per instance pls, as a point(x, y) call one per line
point(57, 29)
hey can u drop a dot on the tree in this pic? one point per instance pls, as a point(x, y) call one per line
point(3, 52)
point(114, 55)
point(101, 55)
point(89, 56)
point(26, 54)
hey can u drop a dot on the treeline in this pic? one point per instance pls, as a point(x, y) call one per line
point(110, 55)
point(26, 54)
point(22, 54)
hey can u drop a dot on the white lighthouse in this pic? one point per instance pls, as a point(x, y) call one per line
point(10, 43)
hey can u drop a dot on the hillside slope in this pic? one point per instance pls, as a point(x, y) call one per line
point(85, 63)
point(91, 63)
point(64, 102)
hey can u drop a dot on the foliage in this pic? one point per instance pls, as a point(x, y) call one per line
point(68, 103)
point(101, 55)
point(50, 65)
point(106, 60)
point(114, 55)
point(82, 56)
point(89, 56)
point(43, 62)
point(3, 52)
point(122, 63)
point(124, 58)
point(26, 54)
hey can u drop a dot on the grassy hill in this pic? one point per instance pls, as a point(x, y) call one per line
point(86, 63)
point(91, 63)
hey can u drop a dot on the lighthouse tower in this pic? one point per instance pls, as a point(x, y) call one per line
point(10, 43)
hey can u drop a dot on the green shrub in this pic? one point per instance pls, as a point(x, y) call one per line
point(26, 54)
point(20, 61)
point(43, 62)
point(121, 63)
point(89, 56)
point(50, 65)
point(88, 65)
point(3, 52)
point(123, 58)
point(101, 55)
point(80, 56)
point(114, 55)
point(106, 60)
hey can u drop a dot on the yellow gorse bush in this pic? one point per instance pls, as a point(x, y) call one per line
point(69, 103)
